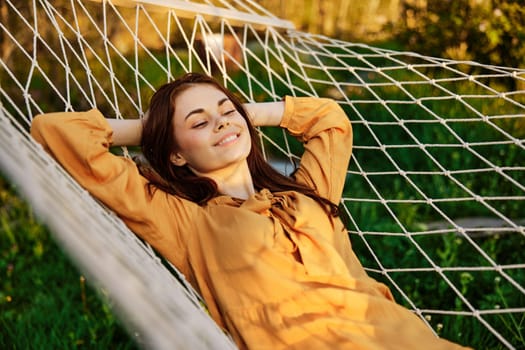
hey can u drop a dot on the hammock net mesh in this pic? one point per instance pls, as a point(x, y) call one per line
point(435, 193)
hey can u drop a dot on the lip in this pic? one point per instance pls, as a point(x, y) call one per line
point(227, 139)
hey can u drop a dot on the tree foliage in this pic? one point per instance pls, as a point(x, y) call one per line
point(486, 31)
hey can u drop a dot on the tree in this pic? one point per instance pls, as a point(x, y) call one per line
point(487, 31)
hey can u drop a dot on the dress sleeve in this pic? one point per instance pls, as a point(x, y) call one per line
point(326, 132)
point(80, 142)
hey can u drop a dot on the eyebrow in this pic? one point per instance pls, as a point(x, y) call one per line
point(200, 110)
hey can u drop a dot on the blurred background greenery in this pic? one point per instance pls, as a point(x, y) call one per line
point(486, 31)
point(44, 296)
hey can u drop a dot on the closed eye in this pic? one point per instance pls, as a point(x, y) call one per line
point(199, 124)
point(231, 111)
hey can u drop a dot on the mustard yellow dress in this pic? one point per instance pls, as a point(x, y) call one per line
point(275, 271)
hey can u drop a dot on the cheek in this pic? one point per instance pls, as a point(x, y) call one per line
point(190, 142)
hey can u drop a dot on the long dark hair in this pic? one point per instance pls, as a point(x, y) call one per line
point(158, 143)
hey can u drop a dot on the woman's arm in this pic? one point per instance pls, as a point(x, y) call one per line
point(126, 132)
point(80, 142)
point(265, 113)
point(326, 133)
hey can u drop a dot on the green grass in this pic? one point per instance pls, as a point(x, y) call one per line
point(45, 302)
point(485, 290)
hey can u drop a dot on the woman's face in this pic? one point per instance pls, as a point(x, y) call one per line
point(211, 135)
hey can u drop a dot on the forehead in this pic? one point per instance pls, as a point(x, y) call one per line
point(198, 96)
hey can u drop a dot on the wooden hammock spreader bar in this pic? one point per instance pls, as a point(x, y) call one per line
point(190, 9)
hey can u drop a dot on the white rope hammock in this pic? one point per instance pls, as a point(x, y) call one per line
point(435, 194)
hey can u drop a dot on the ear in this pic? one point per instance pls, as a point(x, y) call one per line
point(177, 159)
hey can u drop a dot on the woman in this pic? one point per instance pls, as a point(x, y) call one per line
point(267, 252)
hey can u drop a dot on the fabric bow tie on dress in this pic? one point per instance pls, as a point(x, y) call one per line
point(311, 243)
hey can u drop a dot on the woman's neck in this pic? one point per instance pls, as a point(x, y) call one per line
point(238, 184)
point(234, 181)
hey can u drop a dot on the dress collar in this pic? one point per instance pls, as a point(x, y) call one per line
point(258, 202)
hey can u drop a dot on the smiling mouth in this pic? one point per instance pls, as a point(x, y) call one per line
point(227, 139)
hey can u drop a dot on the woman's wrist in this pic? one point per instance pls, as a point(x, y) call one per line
point(126, 132)
point(265, 113)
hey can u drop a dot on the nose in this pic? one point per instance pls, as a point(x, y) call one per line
point(221, 123)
